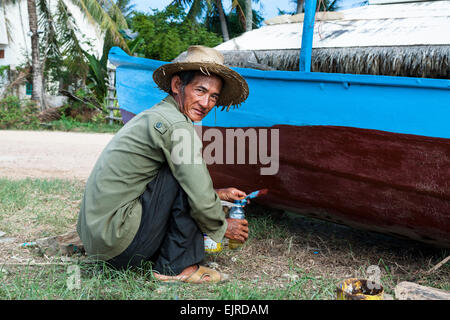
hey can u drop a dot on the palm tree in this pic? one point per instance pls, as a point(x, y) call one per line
point(107, 15)
point(248, 15)
point(244, 9)
point(37, 76)
point(322, 5)
point(223, 21)
point(103, 12)
point(300, 5)
point(198, 7)
point(125, 7)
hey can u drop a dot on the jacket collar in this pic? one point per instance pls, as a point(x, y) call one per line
point(171, 100)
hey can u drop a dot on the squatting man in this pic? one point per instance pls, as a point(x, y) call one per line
point(139, 204)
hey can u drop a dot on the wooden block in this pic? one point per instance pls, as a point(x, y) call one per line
point(65, 244)
point(412, 291)
point(70, 243)
point(48, 246)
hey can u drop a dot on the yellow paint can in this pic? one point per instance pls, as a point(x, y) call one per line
point(210, 245)
point(359, 289)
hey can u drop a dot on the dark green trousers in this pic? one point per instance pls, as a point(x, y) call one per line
point(167, 235)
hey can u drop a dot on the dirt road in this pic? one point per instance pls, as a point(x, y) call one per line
point(49, 154)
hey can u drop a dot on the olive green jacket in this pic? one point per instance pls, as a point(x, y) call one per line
point(110, 211)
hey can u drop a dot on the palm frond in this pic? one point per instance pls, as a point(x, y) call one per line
point(70, 45)
point(116, 14)
point(196, 7)
point(8, 24)
point(97, 74)
point(236, 5)
point(125, 7)
point(94, 12)
point(46, 23)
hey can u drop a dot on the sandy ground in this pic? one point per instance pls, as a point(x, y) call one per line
point(49, 154)
point(323, 249)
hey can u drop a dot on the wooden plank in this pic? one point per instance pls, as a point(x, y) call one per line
point(114, 118)
point(440, 264)
point(111, 96)
point(411, 291)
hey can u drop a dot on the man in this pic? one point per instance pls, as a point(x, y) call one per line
point(142, 202)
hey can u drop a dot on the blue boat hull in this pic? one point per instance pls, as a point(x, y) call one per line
point(367, 151)
point(393, 104)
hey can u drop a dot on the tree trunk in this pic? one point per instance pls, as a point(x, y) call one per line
point(300, 6)
point(38, 92)
point(248, 15)
point(223, 22)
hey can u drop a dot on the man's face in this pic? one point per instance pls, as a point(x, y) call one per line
point(198, 97)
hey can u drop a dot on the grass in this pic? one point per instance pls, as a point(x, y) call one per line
point(68, 124)
point(38, 208)
point(16, 114)
point(71, 125)
point(286, 257)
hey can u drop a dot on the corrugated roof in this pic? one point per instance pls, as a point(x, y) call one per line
point(399, 24)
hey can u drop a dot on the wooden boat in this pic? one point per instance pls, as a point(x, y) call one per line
point(371, 152)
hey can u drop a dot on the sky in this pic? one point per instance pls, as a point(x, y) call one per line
point(268, 8)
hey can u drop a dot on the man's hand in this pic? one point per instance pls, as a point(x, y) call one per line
point(237, 229)
point(230, 194)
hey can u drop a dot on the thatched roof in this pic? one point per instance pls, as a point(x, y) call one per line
point(407, 39)
point(405, 61)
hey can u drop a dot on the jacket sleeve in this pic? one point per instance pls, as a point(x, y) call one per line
point(182, 148)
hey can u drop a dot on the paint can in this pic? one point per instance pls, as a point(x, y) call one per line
point(359, 289)
point(210, 245)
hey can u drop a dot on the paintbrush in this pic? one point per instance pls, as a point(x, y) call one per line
point(256, 193)
point(243, 202)
point(252, 195)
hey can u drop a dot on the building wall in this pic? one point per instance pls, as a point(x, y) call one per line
point(14, 21)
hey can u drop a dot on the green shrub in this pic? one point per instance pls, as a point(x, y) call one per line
point(98, 124)
point(165, 34)
point(15, 114)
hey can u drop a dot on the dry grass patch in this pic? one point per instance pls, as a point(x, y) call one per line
point(286, 257)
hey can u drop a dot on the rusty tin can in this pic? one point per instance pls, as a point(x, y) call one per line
point(210, 245)
point(359, 289)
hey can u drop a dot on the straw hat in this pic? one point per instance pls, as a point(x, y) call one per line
point(208, 61)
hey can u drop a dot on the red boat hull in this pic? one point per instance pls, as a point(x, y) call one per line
point(386, 182)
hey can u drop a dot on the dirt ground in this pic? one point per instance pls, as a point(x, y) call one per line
point(49, 154)
point(45, 154)
point(330, 250)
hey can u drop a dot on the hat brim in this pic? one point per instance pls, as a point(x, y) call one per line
point(235, 88)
